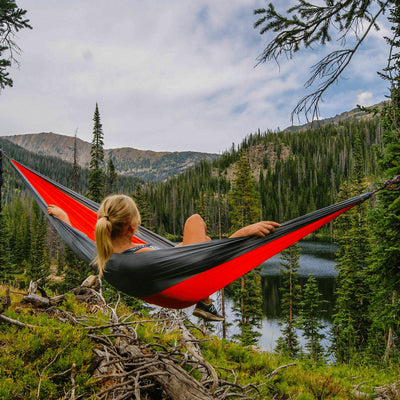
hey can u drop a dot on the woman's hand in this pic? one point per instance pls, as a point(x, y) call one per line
point(262, 228)
point(58, 212)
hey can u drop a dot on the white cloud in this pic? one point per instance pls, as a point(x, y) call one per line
point(365, 98)
point(167, 75)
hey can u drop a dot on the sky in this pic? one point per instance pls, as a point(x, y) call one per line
point(174, 75)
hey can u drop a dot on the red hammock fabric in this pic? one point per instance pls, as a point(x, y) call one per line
point(82, 218)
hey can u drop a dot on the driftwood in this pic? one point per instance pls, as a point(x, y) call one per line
point(385, 392)
point(42, 300)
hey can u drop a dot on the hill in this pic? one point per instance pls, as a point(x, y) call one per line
point(353, 115)
point(144, 164)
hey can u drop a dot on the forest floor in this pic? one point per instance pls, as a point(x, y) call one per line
point(76, 346)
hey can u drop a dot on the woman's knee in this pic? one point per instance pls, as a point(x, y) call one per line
point(195, 219)
point(195, 230)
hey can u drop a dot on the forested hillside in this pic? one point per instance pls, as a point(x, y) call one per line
point(296, 173)
point(143, 164)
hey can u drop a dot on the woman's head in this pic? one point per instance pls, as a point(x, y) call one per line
point(115, 213)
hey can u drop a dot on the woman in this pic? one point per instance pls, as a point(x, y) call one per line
point(117, 221)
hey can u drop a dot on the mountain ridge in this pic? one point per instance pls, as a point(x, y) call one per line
point(146, 164)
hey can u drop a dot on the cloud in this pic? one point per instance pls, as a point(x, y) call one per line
point(166, 75)
point(365, 98)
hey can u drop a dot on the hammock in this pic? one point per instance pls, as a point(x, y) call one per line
point(173, 277)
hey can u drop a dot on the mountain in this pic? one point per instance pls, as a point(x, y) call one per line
point(144, 164)
point(348, 116)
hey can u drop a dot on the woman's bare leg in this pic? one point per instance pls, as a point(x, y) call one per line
point(195, 231)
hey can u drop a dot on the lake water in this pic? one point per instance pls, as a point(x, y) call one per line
point(317, 258)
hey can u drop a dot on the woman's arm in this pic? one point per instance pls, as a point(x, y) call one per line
point(262, 228)
point(59, 213)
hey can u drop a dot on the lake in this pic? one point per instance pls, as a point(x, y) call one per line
point(317, 258)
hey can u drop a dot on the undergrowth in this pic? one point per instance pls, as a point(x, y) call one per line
point(48, 361)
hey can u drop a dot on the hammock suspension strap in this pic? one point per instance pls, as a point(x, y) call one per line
point(391, 184)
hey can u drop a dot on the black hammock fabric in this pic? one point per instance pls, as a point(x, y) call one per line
point(173, 277)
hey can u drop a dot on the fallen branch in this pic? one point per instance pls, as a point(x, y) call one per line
point(276, 370)
point(17, 323)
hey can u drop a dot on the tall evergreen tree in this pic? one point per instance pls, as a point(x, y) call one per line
point(351, 321)
point(5, 256)
point(288, 343)
point(310, 317)
point(39, 262)
point(385, 226)
point(96, 173)
point(244, 210)
point(111, 178)
point(244, 200)
point(143, 206)
point(75, 271)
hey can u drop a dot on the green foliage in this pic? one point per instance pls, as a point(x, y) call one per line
point(5, 255)
point(144, 207)
point(39, 257)
point(288, 343)
point(96, 174)
point(12, 20)
point(243, 198)
point(74, 270)
point(351, 319)
point(384, 271)
point(247, 307)
point(111, 178)
point(37, 362)
point(311, 25)
point(311, 309)
point(247, 295)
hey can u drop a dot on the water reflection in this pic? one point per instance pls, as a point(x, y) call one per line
point(317, 258)
point(271, 285)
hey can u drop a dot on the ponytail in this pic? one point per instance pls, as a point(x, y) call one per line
point(114, 213)
point(104, 246)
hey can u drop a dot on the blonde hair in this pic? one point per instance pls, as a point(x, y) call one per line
point(114, 213)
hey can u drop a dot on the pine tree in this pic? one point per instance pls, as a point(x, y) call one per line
point(288, 343)
point(111, 178)
point(243, 199)
point(247, 295)
point(143, 206)
point(5, 256)
point(39, 261)
point(351, 322)
point(384, 340)
point(96, 174)
point(310, 313)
